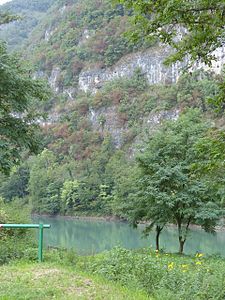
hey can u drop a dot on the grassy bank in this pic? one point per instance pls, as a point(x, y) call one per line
point(54, 281)
point(163, 276)
point(117, 274)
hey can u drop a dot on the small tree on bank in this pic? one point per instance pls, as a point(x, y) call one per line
point(169, 188)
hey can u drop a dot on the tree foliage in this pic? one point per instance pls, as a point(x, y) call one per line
point(18, 120)
point(26, 15)
point(169, 188)
point(210, 151)
point(7, 18)
point(16, 185)
point(70, 195)
point(193, 28)
point(96, 155)
point(45, 174)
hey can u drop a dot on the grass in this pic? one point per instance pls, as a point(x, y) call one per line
point(117, 274)
point(54, 281)
point(163, 276)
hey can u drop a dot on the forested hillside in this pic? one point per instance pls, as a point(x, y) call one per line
point(30, 14)
point(112, 109)
point(109, 98)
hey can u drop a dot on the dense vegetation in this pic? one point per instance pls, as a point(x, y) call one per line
point(73, 35)
point(20, 243)
point(145, 153)
point(29, 15)
point(18, 128)
point(87, 168)
point(162, 276)
point(84, 157)
point(87, 164)
point(192, 28)
point(170, 187)
point(142, 274)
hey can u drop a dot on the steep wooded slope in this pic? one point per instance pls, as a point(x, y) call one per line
point(108, 97)
point(30, 13)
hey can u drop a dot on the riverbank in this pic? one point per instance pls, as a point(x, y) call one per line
point(117, 219)
point(94, 236)
point(47, 281)
point(118, 274)
point(83, 217)
point(164, 276)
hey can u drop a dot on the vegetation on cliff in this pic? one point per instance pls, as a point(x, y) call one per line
point(92, 145)
point(147, 153)
point(29, 14)
point(193, 28)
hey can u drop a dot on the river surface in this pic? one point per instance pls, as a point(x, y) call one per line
point(89, 237)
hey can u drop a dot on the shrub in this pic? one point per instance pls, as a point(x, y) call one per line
point(163, 276)
point(15, 243)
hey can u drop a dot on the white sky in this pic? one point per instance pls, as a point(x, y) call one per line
point(4, 1)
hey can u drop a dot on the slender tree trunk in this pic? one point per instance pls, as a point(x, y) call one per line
point(158, 231)
point(181, 249)
point(157, 240)
point(181, 239)
point(70, 173)
point(182, 234)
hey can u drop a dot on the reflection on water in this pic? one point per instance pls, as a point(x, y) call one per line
point(89, 237)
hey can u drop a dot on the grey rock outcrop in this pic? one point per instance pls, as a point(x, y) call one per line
point(150, 62)
point(53, 79)
point(106, 119)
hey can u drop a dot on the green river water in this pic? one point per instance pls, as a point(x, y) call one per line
point(89, 237)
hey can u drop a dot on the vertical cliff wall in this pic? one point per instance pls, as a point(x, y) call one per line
point(151, 62)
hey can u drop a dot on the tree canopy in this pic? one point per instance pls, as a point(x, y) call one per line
point(18, 120)
point(193, 28)
point(170, 189)
point(7, 18)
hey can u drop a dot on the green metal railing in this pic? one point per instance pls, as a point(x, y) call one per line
point(41, 233)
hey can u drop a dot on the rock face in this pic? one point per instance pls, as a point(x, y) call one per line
point(53, 79)
point(217, 63)
point(155, 118)
point(70, 93)
point(48, 34)
point(107, 120)
point(85, 36)
point(150, 124)
point(150, 62)
point(62, 9)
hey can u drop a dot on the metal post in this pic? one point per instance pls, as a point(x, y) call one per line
point(40, 243)
point(41, 230)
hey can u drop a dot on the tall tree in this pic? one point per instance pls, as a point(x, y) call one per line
point(45, 183)
point(170, 190)
point(210, 163)
point(18, 119)
point(16, 184)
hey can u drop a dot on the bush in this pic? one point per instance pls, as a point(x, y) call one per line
point(163, 276)
point(15, 243)
point(17, 248)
